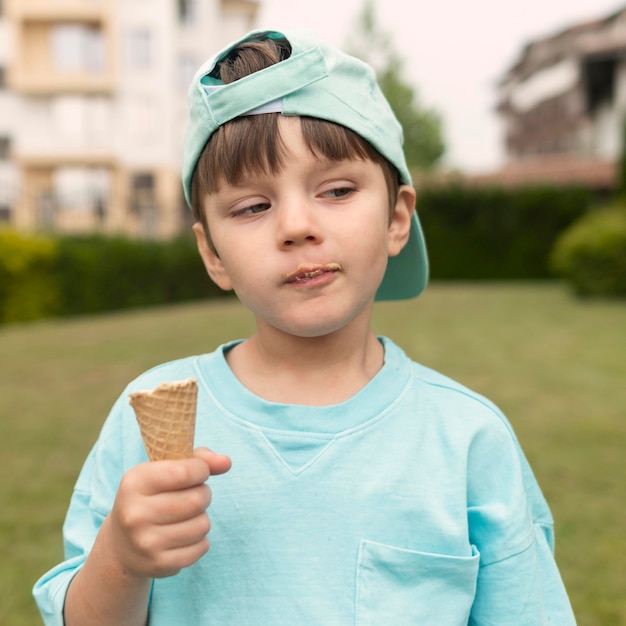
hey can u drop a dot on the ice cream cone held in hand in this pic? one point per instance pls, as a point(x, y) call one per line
point(167, 419)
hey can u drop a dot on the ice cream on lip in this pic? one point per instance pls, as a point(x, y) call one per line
point(305, 270)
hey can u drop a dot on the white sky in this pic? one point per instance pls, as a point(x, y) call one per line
point(454, 52)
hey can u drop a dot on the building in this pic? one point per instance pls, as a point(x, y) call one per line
point(93, 109)
point(563, 103)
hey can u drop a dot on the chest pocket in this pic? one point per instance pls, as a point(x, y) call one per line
point(407, 588)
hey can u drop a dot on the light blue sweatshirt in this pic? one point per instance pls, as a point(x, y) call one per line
point(409, 504)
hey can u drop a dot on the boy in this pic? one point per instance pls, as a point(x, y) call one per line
point(365, 489)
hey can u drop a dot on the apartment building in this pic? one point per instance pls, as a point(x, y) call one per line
point(93, 109)
point(563, 102)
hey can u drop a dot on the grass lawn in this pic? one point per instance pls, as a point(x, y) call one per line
point(557, 366)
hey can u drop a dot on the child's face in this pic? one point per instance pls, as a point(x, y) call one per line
point(306, 249)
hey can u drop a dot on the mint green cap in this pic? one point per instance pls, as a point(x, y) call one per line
point(319, 81)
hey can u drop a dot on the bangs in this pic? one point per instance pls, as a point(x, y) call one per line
point(252, 146)
point(327, 140)
point(246, 146)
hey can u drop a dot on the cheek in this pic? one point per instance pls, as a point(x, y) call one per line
point(372, 239)
point(370, 236)
point(248, 273)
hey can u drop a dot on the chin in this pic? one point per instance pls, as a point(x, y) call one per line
point(316, 328)
point(309, 332)
point(309, 322)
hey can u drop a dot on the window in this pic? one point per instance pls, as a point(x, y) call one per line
point(187, 66)
point(185, 213)
point(599, 81)
point(187, 11)
point(142, 115)
point(82, 188)
point(76, 48)
point(68, 113)
point(143, 192)
point(144, 202)
point(5, 148)
point(9, 187)
point(99, 121)
point(139, 48)
point(82, 120)
point(39, 111)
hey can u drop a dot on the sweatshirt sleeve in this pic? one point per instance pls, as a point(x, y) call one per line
point(511, 526)
point(90, 503)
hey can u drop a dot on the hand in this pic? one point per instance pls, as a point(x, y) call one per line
point(159, 521)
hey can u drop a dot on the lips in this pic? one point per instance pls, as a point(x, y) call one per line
point(305, 272)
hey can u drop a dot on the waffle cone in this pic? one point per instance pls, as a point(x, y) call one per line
point(167, 419)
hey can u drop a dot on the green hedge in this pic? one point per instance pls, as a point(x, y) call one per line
point(27, 288)
point(45, 277)
point(496, 233)
point(471, 233)
point(591, 254)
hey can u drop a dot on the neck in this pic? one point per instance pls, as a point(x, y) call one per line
point(315, 371)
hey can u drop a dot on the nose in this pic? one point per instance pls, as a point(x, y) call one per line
point(298, 223)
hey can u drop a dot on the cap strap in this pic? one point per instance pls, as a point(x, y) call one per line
point(275, 106)
point(250, 94)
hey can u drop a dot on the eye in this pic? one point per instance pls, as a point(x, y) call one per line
point(338, 192)
point(251, 209)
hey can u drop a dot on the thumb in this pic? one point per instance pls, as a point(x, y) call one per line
point(218, 463)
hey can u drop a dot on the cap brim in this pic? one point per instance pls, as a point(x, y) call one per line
point(407, 273)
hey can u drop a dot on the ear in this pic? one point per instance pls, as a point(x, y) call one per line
point(212, 262)
point(400, 224)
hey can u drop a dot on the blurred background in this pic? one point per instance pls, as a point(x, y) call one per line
point(515, 135)
point(92, 94)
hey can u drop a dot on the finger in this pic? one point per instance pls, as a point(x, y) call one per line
point(177, 506)
point(187, 533)
point(172, 561)
point(166, 476)
point(218, 463)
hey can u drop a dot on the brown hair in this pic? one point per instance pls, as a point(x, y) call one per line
point(252, 145)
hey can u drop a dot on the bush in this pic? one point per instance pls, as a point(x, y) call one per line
point(496, 233)
point(45, 277)
point(27, 290)
point(591, 254)
point(99, 273)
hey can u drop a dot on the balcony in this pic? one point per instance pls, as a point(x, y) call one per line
point(41, 83)
point(66, 128)
point(62, 57)
point(59, 10)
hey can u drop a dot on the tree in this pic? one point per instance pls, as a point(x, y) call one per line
point(620, 178)
point(423, 137)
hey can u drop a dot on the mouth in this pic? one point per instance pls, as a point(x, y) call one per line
point(304, 273)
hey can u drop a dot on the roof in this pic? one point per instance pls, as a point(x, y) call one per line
point(555, 170)
point(588, 37)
